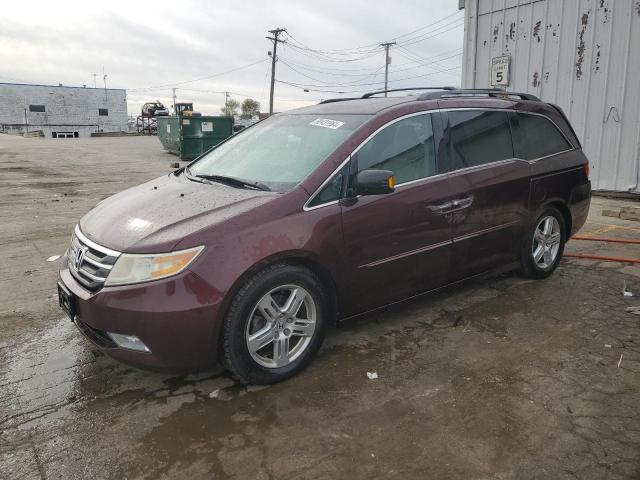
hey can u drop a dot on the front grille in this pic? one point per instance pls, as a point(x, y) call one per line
point(89, 262)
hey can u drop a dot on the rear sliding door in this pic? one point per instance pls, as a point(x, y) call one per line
point(489, 188)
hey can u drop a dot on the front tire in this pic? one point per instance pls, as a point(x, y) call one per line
point(275, 325)
point(544, 245)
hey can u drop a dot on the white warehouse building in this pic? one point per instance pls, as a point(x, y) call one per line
point(61, 111)
point(583, 55)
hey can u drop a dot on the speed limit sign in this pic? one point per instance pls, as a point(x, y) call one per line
point(500, 71)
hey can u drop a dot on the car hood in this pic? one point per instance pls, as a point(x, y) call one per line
point(155, 216)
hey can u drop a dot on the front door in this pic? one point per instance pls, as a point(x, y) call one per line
point(398, 244)
point(490, 189)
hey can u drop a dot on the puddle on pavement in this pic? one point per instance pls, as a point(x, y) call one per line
point(49, 375)
point(40, 373)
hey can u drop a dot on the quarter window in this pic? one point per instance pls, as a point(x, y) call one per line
point(477, 137)
point(405, 147)
point(535, 136)
point(332, 191)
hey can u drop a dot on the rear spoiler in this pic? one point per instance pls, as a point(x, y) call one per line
point(564, 117)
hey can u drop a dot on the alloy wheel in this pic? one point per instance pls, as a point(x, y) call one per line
point(281, 326)
point(546, 242)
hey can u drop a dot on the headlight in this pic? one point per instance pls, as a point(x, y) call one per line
point(136, 268)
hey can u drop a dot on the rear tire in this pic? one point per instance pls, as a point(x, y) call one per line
point(275, 325)
point(544, 244)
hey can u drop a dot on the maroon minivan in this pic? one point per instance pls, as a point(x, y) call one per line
point(320, 214)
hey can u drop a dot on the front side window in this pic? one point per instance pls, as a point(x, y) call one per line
point(405, 147)
point(535, 136)
point(281, 151)
point(478, 137)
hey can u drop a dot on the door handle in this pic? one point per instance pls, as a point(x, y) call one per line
point(441, 208)
point(461, 203)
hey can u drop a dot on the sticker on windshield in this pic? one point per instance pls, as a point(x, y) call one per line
point(326, 123)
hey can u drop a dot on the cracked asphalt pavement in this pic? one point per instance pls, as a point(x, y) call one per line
point(500, 378)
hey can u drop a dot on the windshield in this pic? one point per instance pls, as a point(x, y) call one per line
point(281, 151)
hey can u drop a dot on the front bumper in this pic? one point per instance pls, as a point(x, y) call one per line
point(176, 318)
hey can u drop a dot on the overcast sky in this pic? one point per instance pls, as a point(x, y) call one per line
point(148, 48)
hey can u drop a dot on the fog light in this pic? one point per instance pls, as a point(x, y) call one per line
point(129, 341)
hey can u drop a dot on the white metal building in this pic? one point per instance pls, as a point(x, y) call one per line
point(61, 112)
point(583, 55)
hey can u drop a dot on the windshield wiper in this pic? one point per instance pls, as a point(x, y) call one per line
point(234, 182)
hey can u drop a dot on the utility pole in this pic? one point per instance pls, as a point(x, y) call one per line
point(226, 102)
point(95, 84)
point(274, 58)
point(175, 112)
point(387, 61)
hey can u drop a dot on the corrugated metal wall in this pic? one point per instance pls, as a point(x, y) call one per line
point(583, 55)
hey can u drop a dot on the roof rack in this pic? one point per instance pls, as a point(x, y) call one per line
point(333, 100)
point(371, 94)
point(472, 92)
point(445, 92)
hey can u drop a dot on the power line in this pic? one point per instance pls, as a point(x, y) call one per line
point(155, 87)
point(307, 85)
point(344, 72)
point(434, 33)
point(336, 84)
point(315, 90)
point(421, 60)
point(427, 26)
point(433, 64)
point(371, 46)
point(326, 58)
point(344, 52)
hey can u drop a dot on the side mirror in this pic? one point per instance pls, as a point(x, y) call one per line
point(375, 182)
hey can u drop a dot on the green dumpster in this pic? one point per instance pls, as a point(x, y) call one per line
point(190, 136)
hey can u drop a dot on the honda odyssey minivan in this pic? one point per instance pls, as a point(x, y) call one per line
point(320, 214)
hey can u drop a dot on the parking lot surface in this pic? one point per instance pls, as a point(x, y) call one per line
point(500, 378)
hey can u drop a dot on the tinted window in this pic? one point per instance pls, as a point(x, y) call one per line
point(332, 191)
point(405, 147)
point(36, 108)
point(535, 136)
point(477, 137)
point(103, 112)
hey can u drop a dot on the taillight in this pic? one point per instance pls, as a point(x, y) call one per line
point(586, 170)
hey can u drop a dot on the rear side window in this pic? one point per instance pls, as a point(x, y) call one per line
point(477, 137)
point(405, 147)
point(535, 136)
